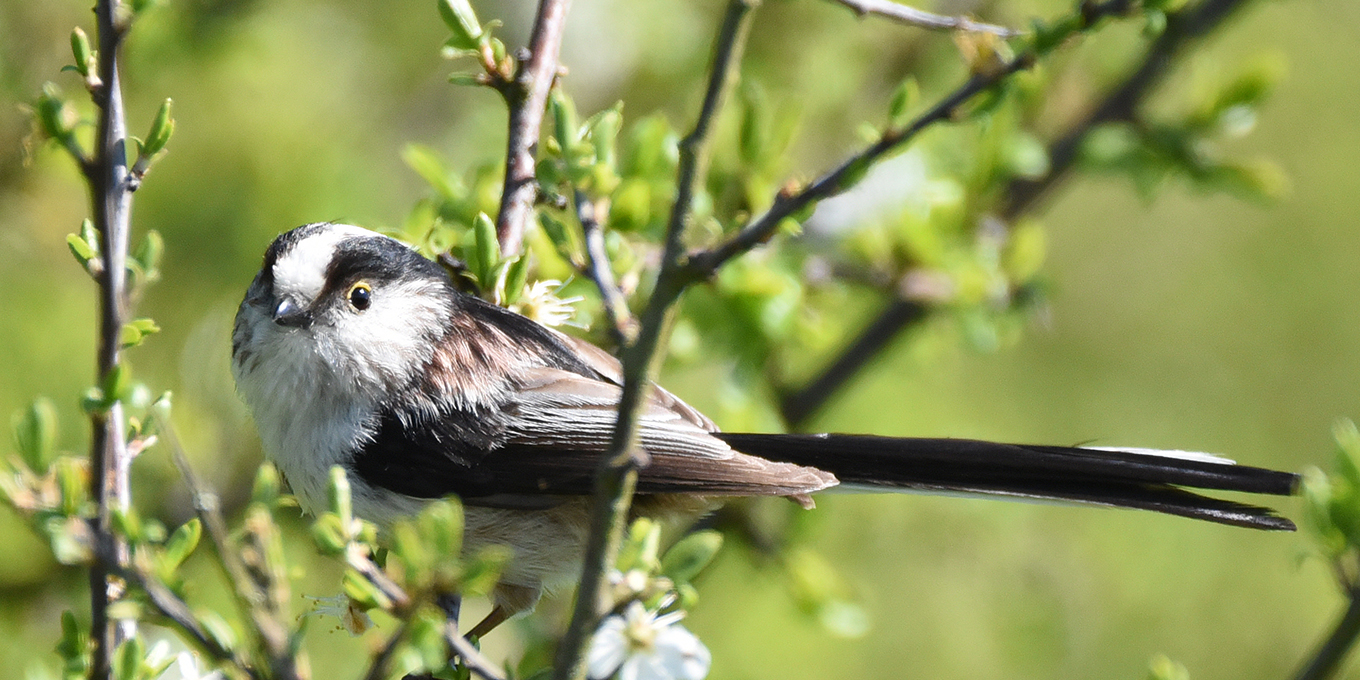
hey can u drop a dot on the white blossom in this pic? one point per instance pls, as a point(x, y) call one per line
point(643, 645)
point(541, 304)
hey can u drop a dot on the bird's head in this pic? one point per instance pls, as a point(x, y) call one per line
point(339, 300)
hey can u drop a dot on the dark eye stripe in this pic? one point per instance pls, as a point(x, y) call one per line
point(377, 260)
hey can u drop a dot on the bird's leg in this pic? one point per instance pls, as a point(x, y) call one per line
point(497, 616)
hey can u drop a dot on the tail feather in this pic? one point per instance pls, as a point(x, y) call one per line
point(1135, 478)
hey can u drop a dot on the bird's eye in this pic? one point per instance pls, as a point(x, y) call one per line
point(360, 296)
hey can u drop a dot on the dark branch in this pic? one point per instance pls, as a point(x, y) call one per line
point(799, 406)
point(111, 205)
point(920, 18)
point(169, 605)
point(1022, 195)
point(1327, 661)
point(621, 323)
point(527, 101)
point(616, 479)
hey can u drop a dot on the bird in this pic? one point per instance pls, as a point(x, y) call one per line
point(351, 349)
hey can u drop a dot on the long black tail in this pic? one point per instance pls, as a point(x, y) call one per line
point(1118, 478)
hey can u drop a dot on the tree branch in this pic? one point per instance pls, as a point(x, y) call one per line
point(1121, 105)
point(169, 605)
point(472, 659)
point(272, 633)
point(1327, 661)
point(621, 323)
point(1021, 196)
point(923, 19)
point(111, 205)
point(615, 481)
point(527, 101)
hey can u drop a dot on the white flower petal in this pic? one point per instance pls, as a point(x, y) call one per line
point(631, 669)
point(682, 654)
point(608, 650)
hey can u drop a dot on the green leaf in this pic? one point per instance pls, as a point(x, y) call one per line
point(136, 330)
point(161, 129)
point(631, 206)
point(148, 254)
point(1317, 504)
point(340, 501)
point(367, 595)
point(126, 523)
point(71, 481)
point(441, 526)
point(55, 118)
point(35, 434)
point(425, 162)
point(640, 546)
point(515, 279)
point(1163, 668)
point(73, 647)
point(266, 488)
point(459, 17)
point(564, 238)
point(217, 628)
point(117, 384)
point(487, 251)
point(690, 555)
point(182, 543)
point(604, 133)
point(329, 534)
point(80, 49)
point(904, 98)
point(564, 121)
point(83, 251)
point(127, 660)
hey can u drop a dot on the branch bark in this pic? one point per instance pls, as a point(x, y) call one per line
point(527, 100)
point(1022, 196)
point(1327, 661)
point(621, 323)
point(616, 479)
point(111, 207)
point(923, 19)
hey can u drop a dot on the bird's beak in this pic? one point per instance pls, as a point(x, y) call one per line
point(287, 313)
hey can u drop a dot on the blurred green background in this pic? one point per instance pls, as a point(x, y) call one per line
point(1194, 322)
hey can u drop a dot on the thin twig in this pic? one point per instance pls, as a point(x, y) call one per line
point(272, 633)
point(799, 406)
point(617, 477)
point(923, 19)
point(472, 659)
point(527, 102)
point(1327, 661)
point(1022, 196)
point(1182, 28)
point(169, 605)
point(621, 323)
point(111, 205)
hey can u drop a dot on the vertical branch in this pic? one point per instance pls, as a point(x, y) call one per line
point(616, 479)
point(527, 98)
point(111, 205)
